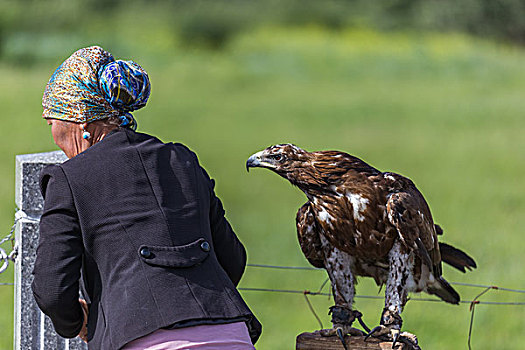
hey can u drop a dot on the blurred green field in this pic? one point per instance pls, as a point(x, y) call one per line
point(444, 109)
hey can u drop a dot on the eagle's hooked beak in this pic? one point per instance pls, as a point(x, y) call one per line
point(257, 160)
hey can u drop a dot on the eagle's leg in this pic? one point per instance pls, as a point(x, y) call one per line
point(339, 264)
point(396, 295)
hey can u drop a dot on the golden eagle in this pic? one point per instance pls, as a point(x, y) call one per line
point(359, 221)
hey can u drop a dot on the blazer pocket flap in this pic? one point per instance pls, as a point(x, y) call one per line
point(179, 256)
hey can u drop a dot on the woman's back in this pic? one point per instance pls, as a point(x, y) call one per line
point(151, 235)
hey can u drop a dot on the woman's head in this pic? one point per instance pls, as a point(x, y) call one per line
point(92, 86)
point(71, 136)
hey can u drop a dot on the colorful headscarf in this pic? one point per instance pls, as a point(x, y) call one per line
point(90, 85)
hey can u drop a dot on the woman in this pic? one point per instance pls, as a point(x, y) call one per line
point(136, 220)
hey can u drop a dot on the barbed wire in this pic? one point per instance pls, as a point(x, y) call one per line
point(285, 267)
point(6, 258)
point(319, 292)
point(473, 304)
point(320, 269)
point(487, 286)
point(475, 301)
point(377, 297)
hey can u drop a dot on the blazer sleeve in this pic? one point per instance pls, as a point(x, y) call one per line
point(229, 250)
point(59, 255)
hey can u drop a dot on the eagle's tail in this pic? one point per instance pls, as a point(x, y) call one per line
point(456, 258)
point(444, 290)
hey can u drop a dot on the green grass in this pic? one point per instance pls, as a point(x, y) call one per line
point(445, 110)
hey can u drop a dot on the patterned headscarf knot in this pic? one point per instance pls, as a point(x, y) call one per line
point(90, 85)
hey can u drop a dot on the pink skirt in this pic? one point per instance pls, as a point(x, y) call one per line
point(230, 336)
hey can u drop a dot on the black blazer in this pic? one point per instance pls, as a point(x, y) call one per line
point(141, 221)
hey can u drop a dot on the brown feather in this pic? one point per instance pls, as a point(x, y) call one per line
point(308, 236)
point(456, 258)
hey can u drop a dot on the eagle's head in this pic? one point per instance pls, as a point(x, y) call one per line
point(312, 172)
point(287, 160)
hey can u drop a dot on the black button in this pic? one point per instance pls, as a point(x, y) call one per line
point(205, 246)
point(145, 252)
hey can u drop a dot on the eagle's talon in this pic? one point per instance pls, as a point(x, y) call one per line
point(363, 324)
point(373, 331)
point(395, 337)
point(341, 331)
point(410, 340)
point(393, 334)
point(341, 337)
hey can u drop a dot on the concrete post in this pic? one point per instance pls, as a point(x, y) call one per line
point(33, 330)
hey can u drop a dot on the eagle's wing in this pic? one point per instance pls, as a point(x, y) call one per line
point(308, 236)
point(410, 215)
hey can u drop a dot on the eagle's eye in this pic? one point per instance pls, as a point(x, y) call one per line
point(276, 157)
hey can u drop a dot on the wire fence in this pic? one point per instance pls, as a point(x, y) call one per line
point(306, 293)
point(5, 258)
point(475, 301)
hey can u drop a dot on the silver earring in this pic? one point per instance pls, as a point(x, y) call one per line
point(86, 135)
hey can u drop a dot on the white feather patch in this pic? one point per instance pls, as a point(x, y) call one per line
point(401, 264)
point(323, 215)
point(339, 266)
point(359, 204)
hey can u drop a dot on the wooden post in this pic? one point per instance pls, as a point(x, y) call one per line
point(314, 341)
